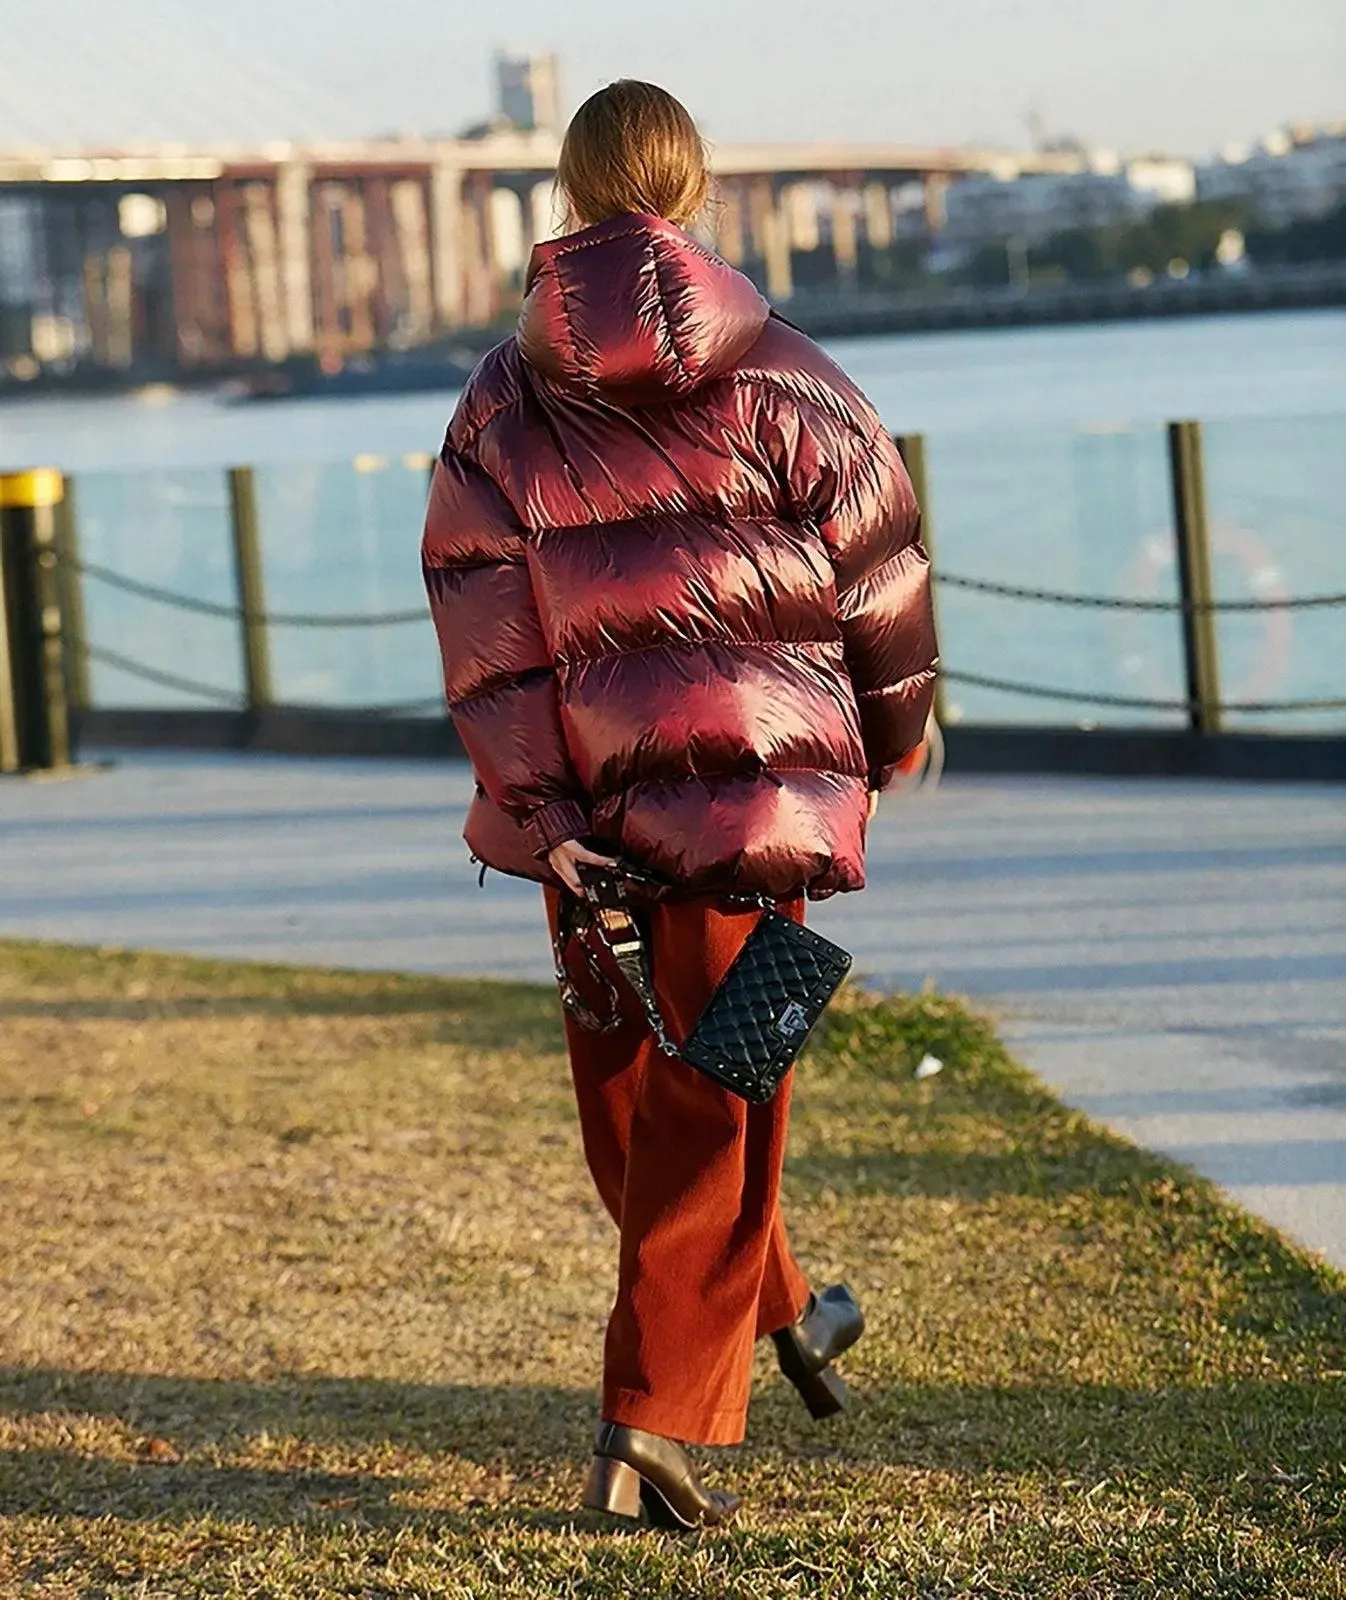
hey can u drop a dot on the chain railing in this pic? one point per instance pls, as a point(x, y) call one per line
point(419, 615)
point(45, 579)
point(1105, 602)
point(236, 613)
point(1196, 605)
point(1091, 697)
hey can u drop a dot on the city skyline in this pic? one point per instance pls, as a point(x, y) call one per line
point(1187, 76)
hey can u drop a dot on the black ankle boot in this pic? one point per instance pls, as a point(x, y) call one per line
point(830, 1323)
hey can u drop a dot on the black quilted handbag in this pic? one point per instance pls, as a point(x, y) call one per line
point(756, 1022)
point(749, 1035)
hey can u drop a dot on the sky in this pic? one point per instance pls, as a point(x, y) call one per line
point(1186, 76)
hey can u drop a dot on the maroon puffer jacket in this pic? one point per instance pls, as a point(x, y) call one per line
point(673, 561)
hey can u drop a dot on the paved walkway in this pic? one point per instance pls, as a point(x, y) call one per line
point(1170, 956)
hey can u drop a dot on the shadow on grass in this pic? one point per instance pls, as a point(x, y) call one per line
point(1249, 1440)
point(486, 1424)
point(48, 1483)
point(509, 1016)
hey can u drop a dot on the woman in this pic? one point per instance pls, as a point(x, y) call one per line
point(674, 565)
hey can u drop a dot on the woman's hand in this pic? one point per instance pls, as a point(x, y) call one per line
point(564, 857)
point(873, 804)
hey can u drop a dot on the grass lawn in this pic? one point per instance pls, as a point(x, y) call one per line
point(302, 1290)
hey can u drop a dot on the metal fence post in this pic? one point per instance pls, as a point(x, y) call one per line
point(34, 725)
point(70, 589)
point(1192, 533)
point(251, 591)
point(911, 447)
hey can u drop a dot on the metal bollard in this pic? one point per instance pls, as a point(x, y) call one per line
point(251, 589)
point(1201, 656)
point(70, 587)
point(34, 720)
point(911, 447)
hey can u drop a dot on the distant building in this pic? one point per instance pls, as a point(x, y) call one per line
point(1170, 180)
point(1105, 191)
point(1292, 174)
point(528, 91)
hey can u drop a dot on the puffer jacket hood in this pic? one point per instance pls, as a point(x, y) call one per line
point(674, 564)
point(637, 310)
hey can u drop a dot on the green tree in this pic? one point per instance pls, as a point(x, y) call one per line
point(1309, 239)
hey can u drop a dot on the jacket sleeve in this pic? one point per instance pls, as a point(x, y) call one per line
point(499, 678)
point(846, 477)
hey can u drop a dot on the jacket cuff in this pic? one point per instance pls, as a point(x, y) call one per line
point(554, 823)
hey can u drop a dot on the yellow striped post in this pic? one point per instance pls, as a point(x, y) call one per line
point(39, 486)
point(34, 721)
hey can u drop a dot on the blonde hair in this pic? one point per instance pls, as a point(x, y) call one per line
point(632, 147)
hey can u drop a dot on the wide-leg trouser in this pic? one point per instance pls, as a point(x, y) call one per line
point(691, 1175)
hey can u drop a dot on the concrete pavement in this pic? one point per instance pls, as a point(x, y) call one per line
point(1170, 956)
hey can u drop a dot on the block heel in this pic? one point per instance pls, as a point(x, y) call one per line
point(828, 1325)
point(613, 1487)
point(824, 1393)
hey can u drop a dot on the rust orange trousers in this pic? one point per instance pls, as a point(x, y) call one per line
point(691, 1176)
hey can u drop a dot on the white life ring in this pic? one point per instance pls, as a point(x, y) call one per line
point(1263, 581)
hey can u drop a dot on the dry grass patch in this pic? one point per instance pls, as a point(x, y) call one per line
point(302, 1288)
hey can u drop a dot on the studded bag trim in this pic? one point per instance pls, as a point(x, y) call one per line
point(755, 1025)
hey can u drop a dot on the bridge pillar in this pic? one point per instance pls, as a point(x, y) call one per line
point(517, 187)
point(118, 306)
point(729, 223)
point(844, 245)
point(447, 243)
point(194, 263)
point(878, 216)
point(411, 243)
point(243, 337)
point(546, 208)
point(357, 270)
point(329, 338)
point(799, 201)
point(934, 186)
point(385, 263)
point(293, 210)
point(479, 249)
point(770, 233)
point(265, 269)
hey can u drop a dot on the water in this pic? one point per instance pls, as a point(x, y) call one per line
point(1047, 466)
point(1285, 364)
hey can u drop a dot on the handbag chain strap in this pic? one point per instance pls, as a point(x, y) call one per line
point(572, 922)
point(619, 930)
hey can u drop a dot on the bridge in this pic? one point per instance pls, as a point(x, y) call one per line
point(172, 261)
